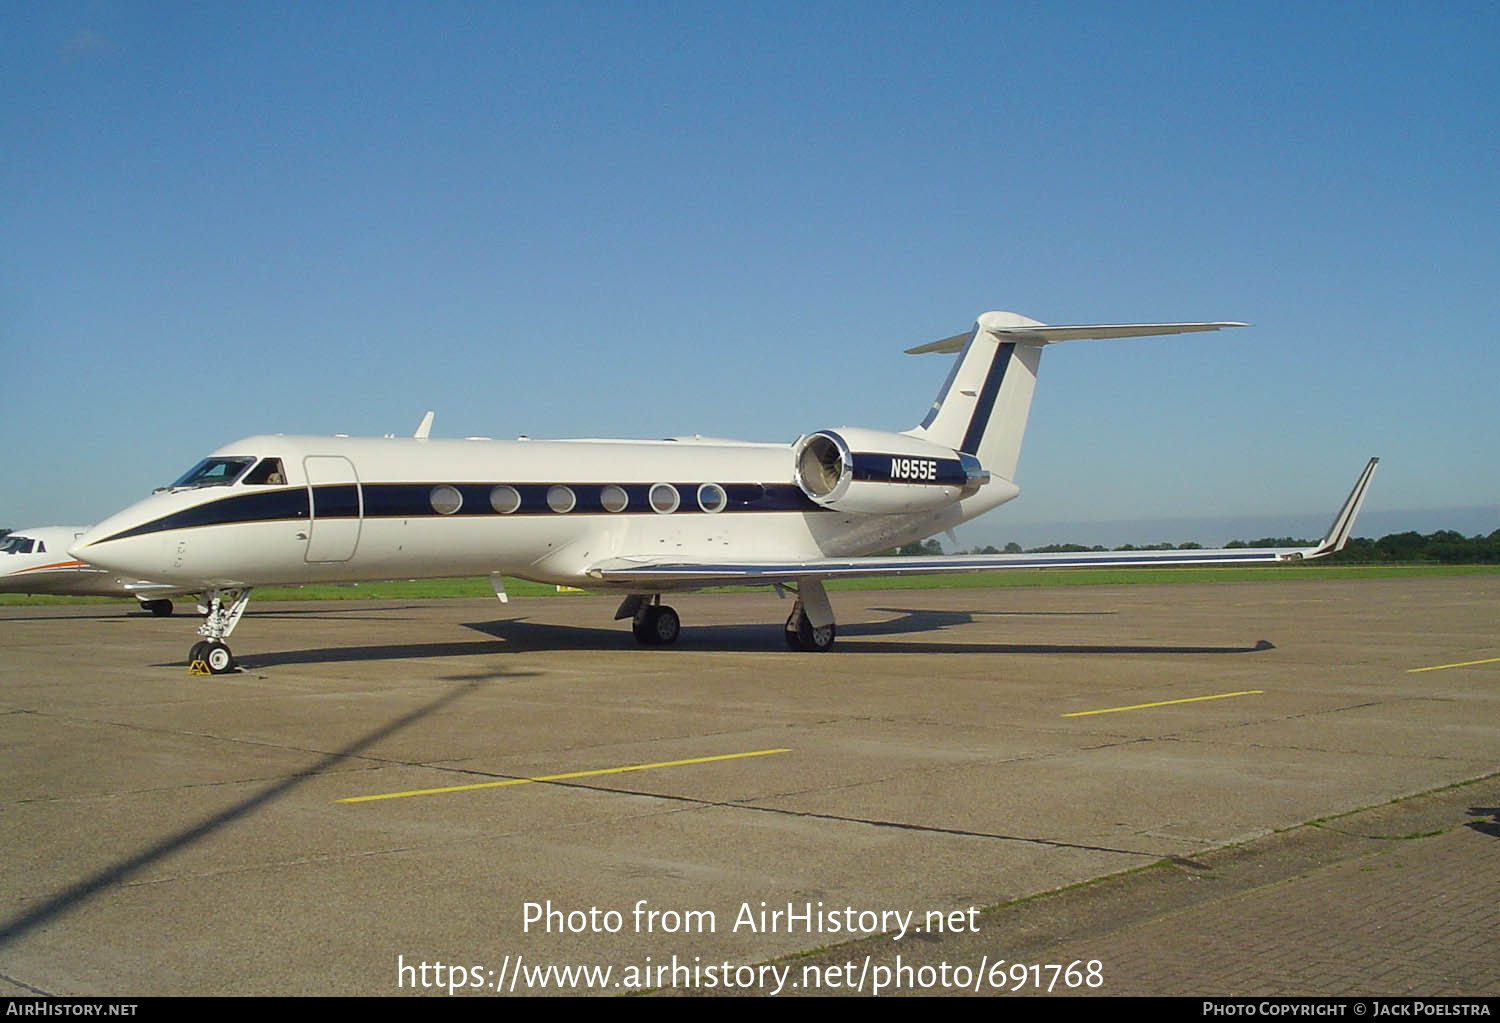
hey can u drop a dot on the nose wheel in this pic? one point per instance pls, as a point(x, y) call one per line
point(222, 611)
point(210, 657)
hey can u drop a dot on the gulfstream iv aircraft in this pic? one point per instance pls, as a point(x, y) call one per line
point(638, 517)
point(36, 561)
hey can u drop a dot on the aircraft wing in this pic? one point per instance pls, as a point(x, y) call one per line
point(657, 571)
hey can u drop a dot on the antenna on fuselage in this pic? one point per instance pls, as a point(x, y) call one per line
point(425, 427)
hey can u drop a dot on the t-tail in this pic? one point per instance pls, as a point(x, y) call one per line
point(983, 406)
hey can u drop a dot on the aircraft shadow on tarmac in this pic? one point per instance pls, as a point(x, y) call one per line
point(374, 652)
point(521, 635)
point(1490, 827)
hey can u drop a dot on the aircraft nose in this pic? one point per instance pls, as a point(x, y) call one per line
point(95, 547)
point(79, 548)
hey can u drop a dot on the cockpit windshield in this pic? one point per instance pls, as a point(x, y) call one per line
point(14, 544)
point(214, 472)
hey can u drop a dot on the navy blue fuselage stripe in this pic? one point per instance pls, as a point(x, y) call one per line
point(414, 500)
point(336, 501)
point(264, 506)
point(987, 395)
point(881, 469)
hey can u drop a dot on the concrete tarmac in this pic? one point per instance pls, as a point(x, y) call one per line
point(1206, 788)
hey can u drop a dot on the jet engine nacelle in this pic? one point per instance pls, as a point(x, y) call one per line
point(852, 469)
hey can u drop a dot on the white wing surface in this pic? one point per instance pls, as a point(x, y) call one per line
point(660, 572)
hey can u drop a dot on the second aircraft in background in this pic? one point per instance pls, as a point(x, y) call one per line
point(36, 561)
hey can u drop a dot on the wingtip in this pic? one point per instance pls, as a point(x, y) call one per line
point(1343, 523)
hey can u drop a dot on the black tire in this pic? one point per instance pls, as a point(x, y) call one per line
point(220, 660)
point(793, 636)
point(644, 626)
point(817, 640)
point(197, 652)
point(160, 608)
point(666, 625)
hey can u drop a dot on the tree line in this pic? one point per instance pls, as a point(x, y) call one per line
point(1445, 546)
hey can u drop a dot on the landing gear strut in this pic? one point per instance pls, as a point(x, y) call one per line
point(222, 611)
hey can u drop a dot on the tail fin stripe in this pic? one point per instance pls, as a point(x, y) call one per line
point(937, 403)
point(987, 395)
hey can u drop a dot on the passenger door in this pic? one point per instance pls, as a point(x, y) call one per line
point(337, 503)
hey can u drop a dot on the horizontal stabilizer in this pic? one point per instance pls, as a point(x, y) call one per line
point(1043, 334)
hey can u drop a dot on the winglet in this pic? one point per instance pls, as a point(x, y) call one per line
point(425, 428)
point(1343, 522)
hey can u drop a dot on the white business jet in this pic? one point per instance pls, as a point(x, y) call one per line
point(36, 561)
point(638, 517)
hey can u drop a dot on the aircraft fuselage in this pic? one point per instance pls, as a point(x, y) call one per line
point(346, 509)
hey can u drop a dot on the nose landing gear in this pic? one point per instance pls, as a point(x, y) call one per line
point(221, 613)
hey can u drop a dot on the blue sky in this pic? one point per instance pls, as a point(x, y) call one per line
point(635, 219)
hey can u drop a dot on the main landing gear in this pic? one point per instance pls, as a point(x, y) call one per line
point(222, 610)
point(802, 634)
point(159, 608)
point(652, 622)
point(810, 626)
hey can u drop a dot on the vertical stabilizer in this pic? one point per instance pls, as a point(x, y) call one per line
point(983, 407)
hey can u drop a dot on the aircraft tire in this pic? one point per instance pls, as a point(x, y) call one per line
point(197, 652)
point(812, 638)
point(792, 633)
point(644, 627)
point(160, 608)
point(220, 660)
point(665, 625)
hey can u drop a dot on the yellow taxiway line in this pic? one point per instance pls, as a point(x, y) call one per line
point(561, 777)
point(1460, 664)
point(1163, 703)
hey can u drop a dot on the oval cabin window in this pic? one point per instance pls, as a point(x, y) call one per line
point(711, 498)
point(664, 498)
point(561, 499)
point(614, 498)
point(505, 499)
